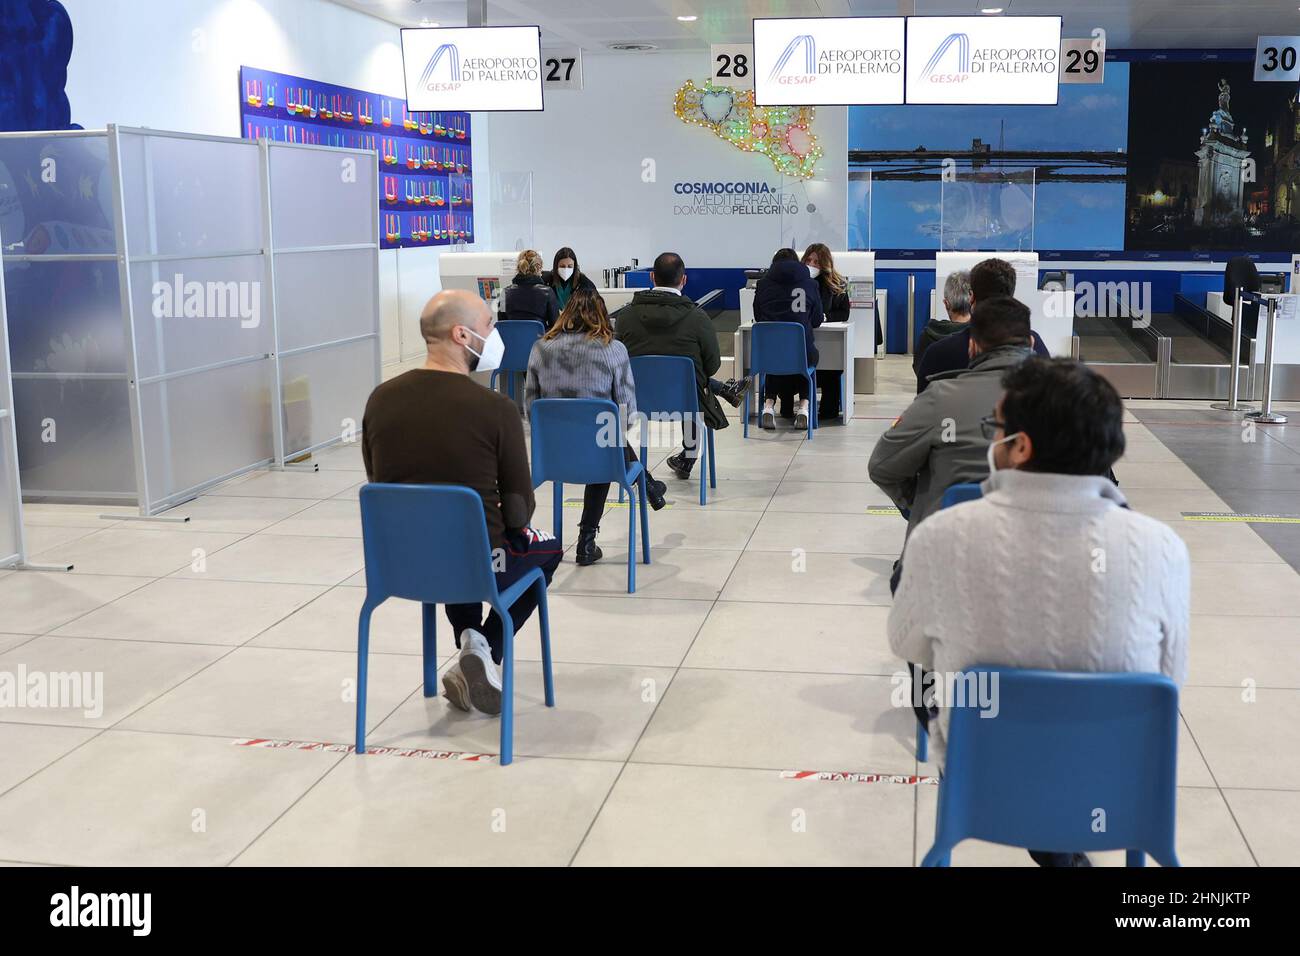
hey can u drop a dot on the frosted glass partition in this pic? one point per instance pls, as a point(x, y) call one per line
point(512, 210)
point(11, 500)
point(987, 209)
point(325, 242)
point(71, 420)
point(199, 310)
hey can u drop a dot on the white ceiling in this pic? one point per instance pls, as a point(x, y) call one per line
point(595, 24)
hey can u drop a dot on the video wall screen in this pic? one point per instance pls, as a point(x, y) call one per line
point(1018, 177)
point(425, 170)
point(1217, 165)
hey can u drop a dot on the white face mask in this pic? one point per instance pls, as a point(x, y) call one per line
point(814, 271)
point(993, 468)
point(566, 273)
point(494, 349)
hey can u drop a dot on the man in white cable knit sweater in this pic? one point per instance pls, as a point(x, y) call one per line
point(1050, 569)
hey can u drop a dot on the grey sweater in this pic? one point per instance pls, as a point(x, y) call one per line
point(571, 365)
point(1045, 571)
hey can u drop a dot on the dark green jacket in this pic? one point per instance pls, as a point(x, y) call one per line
point(661, 323)
point(934, 330)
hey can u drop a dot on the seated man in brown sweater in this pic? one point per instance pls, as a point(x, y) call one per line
point(436, 425)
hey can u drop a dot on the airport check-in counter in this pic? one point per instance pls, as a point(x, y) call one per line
point(859, 270)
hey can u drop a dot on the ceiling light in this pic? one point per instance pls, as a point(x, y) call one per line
point(426, 22)
point(991, 10)
point(688, 19)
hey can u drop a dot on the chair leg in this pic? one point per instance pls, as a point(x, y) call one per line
point(507, 687)
point(922, 743)
point(938, 856)
point(713, 470)
point(430, 650)
point(363, 654)
point(812, 405)
point(645, 520)
point(631, 543)
point(702, 444)
point(744, 417)
point(557, 505)
point(492, 379)
point(1135, 858)
point(544, 625)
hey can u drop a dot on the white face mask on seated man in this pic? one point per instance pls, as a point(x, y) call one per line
point(494, 349)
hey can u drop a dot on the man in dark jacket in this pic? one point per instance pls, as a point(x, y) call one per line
point(956, 303)
point(988, 278)
point(663, 321)
point(788, 293)
point(939, 441)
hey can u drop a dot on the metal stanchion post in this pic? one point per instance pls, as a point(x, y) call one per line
point(1266, 415)
point(1234, 363)
point(911, 312)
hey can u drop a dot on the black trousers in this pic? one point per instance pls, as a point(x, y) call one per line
point(593, 499)
point(829, 382)
point(541, 554)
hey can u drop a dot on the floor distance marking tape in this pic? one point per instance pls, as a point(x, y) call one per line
point(836, 776)
point(1230, 516)
point(883, 510)
point(269, 743)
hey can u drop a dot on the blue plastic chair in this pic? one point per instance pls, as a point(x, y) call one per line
point(954, 495)
point(429, 543)
point(1063, 749)
point(571, 443)
point(665, 385)
point(519, 336)
point(963, 491)
point(780, 348)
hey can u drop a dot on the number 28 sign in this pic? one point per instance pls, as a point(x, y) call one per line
point(732, 65)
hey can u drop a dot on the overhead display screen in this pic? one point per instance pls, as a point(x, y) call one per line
point(959, 61)
point(828, 61)
point(487, 69)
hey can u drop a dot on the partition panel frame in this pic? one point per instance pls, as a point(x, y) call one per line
point(9, 440)
point(149, 506)
point(285, 454)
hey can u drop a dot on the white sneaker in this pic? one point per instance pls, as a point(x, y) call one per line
point(456, 687)
point(480, 672)
point(768, 419)
point(801, 415)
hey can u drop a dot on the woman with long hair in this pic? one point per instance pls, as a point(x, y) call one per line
point(565, 277)
point(834, 289)
point(580, 358)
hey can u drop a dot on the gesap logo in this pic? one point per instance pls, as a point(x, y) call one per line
point(789, 69)
point(959, 43)
point(448, 54)
point(72, 909)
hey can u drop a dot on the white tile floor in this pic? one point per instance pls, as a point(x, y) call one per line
point(755, 644)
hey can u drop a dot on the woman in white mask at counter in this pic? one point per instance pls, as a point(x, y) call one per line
point(565, 276)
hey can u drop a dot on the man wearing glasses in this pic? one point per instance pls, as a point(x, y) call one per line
point(1050, 569)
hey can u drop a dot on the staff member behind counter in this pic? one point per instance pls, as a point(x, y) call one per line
point(565, 277)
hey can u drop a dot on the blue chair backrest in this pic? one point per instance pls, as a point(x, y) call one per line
point(964, 491)
point(665, 384)
point(426, 543)
point(519, 336)
point(778, 348)
point(577, 441)
point(1062, 749)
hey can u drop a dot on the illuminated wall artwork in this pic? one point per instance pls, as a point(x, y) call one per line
point(784, 134)
point(426, 183)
